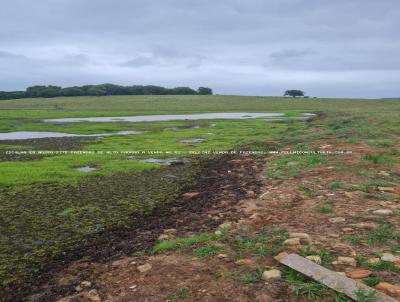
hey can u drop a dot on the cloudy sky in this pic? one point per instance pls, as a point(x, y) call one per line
point(341, 48)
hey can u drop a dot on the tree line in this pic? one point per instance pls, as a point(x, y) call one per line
point(100, 90)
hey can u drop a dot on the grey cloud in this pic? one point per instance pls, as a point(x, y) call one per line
point(9, 55)
point(290, 53)
point(140, 62)
point(252, 47)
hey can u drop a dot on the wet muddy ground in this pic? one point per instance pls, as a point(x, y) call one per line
point(218, 180)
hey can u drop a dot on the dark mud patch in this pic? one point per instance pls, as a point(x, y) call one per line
point(6, 156)
point(53, 144)
point(217, 179)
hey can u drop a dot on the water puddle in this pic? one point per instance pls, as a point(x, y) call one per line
point(192, 141)
point(41, 134)
point(157, 118)
point(87, 169)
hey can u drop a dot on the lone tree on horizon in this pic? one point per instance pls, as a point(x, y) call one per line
point(294, 93)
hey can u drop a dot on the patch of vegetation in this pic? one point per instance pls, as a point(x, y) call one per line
point(379, 266)
point(371, 281)
point(42, 222)
point(64, 168)
point(378, 158)
point(326, 207)
point(179, 243)
point(290, 166)
point(304, 287)
point(354, 239)
point(382, 234)
point(372, 185)
point(269, 242)
point(364, 296)
point(208, 250)
point(182, 293)
point(252, 278)
point(336, 185)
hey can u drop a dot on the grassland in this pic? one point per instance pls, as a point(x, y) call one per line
point(37, 194)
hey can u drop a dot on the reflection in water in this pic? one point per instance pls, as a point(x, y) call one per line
point(41, 134)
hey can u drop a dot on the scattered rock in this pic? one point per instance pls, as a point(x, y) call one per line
point(384, 173)
point(315, 258)
point(248, 262)
point(67, 280)
point(222, 256)
point(337, 219)
point(359, 274)
point(250, 194)
point(364, 225)
point(344, 249)
point(225, 225)
point(121, 262)
point(257, 218)
point(78, 288)
point(383, 212)
point(390, 289)
point(190, 195)
point(86, 284)
point(386, 189)
point(304, 237)
point(272, 274)
point(292, 241)
point(218, 232)
point(373, 260)
point(389, 257)
point(93, 296)
point(348, 230)
point(144, 268)
point(346, 261)
point(170, 231)
point(163, 237)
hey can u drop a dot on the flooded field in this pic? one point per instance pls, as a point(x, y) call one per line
point(19, 135)
point(168, 117)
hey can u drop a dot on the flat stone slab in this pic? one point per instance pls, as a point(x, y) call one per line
point(330, 278)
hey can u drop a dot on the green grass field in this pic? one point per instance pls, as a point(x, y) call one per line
point(39, 193)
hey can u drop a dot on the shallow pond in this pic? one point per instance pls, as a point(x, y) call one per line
point(157, 118)
point(87, 169)
point(42, 134)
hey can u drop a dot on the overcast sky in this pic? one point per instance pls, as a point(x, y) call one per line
point(340, 48)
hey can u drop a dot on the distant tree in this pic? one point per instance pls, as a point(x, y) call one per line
point(182, 90)
point(43, 91)
point(73, 91)
point(205, 91)
point(99, 90)
point(294, 93)
point(156, 90)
